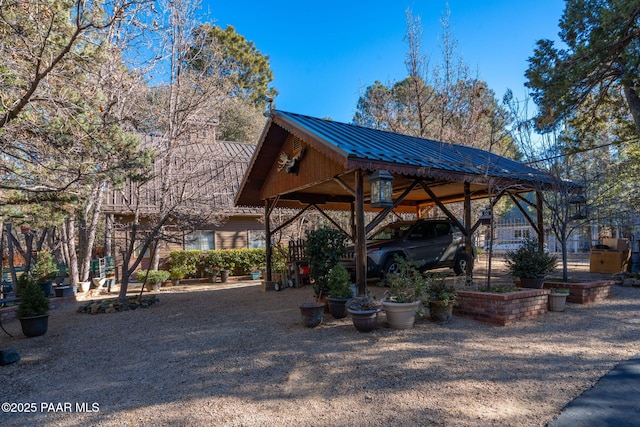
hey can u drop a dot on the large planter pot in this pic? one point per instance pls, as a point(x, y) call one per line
point(364, 321)
point(312, 314)
point(153, 286)
point(255, 275)
point(401, 315)
point(63, 291)
point(557, 302)
point(47, 288)
point(440, 312)
point(34, 326)
point(85, 286)
point(338, 307)
point(536, 283)
point(224, 275)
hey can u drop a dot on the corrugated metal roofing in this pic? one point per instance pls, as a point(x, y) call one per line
point(361, 143)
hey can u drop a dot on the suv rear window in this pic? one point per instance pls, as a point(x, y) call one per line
point(392, 231)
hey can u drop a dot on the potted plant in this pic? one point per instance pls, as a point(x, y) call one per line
point(177, 273)
point(212, 262)
point(407, 289)
point(325, 247)
point(44, 271)
point(558, 299)
point(364, 312)
point(312, 313)
point(442, 298)
point(152, 279)
point(33, 308)
point(255, 272)
point(530, 264)
point(340, 291)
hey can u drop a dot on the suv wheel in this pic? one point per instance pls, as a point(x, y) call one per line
point(462, 262)
point(390, 267)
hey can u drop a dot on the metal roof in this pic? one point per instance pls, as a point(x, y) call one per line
point(451, 171)
point(427, 157)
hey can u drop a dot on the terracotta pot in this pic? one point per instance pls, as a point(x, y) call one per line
point(401, 315)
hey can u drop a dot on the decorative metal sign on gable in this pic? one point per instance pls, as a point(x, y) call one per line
point(292, 164)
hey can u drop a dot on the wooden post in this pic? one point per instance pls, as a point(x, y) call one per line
point(540, 221)
point(267, 235)
point(360, 237)
point(467, 225)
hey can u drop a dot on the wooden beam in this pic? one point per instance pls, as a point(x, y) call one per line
point(332, 221)
point(267, 235)
point(444, 209)
point(539, 197)
point(525, 214)
point(360, 238)
point(290, 220)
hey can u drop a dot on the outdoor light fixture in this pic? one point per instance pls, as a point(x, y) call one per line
point(381, 189)
point(577, 207)
point(486, 216)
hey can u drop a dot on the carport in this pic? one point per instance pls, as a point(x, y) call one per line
point(303, 162)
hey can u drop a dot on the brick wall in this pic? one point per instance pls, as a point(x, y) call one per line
point(585, 292)
point(504, 308)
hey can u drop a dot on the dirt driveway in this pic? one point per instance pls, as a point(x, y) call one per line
point(231, 355)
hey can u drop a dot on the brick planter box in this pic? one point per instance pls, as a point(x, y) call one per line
point(584, 292)
point(502, 308)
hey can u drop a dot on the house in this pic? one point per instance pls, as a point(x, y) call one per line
point(203, 178)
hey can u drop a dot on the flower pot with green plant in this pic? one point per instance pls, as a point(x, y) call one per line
point(442, 298)
point(44, 271)
point(530, 264)
point(212, 260)
point(364, 312)
point(33, 308)
point(177, 273)
point(340, 291)
point(152, 279)
point(407, 291)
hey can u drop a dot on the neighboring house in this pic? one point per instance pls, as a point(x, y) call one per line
point(204, 179)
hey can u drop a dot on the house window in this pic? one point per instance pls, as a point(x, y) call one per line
point(199, 241)
point(522, 234)
point(257, 239)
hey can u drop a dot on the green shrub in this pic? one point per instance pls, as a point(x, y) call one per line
point(188, 260)
point(33, 301)
point(529, 262)
point(340, 282)
point(152, 276)
point(325, 247)
point(45, 268)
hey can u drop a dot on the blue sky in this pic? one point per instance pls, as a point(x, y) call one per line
point(324, 54)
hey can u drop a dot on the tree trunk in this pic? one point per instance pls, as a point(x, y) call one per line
point(68, 233)
point(633, 100)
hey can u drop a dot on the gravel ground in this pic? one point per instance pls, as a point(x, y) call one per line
point(231, 355)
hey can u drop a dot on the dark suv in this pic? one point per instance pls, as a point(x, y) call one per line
point(438, 243)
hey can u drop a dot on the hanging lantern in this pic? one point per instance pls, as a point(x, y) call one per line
point(486, 216)
point(577, 207)
point(381, 189)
